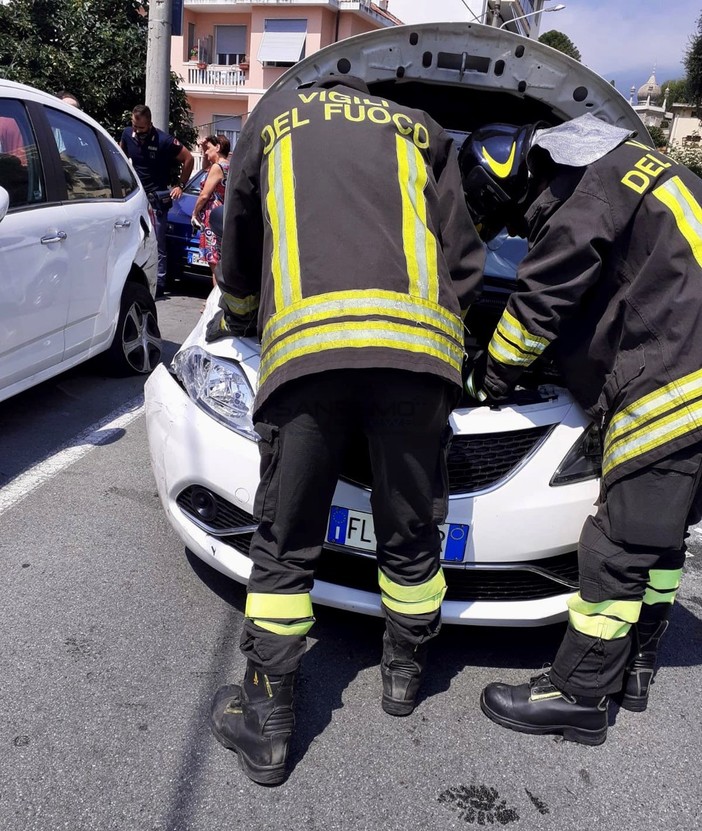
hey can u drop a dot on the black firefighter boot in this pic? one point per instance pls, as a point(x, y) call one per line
point(256, 720)
point(401, 669)
point(539, 707)
point(647, 633)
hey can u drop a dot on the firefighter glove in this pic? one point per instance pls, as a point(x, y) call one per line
point(474, 384)
point(226, 325)
point(219, 327)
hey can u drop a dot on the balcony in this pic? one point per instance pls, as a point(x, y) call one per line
point(221, 78)
point(364, 6)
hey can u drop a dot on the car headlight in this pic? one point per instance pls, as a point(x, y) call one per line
point(583, 461)
point(218, 387)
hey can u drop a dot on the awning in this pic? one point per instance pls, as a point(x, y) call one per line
point(281, 47)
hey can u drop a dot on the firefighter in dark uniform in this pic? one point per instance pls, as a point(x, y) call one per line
point(348, 248)
point(612, 287)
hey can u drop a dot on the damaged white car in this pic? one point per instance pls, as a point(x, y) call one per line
point(523, 476)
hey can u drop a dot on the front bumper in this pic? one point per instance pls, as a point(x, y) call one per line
point(513, 526)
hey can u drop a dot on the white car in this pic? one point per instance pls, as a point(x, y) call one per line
point(523, 476)
point(77, 248)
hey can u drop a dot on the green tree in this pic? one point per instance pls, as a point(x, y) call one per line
point(693, 67)
point(96, 49)
point(657, 136)
point(677, 91)
point(557, 40)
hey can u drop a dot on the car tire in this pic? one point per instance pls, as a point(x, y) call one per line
point(136, 347)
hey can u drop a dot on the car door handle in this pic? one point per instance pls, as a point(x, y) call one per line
point(59, 236)
point(123, 223)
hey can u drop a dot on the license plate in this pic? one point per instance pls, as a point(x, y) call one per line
point(355, 530)
point(194, 258)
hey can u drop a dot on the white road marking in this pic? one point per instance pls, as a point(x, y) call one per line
point(99, 433)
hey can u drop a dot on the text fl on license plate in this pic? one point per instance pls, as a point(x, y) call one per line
point(355, 529)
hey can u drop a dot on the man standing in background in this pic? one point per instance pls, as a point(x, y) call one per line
point(153, 154)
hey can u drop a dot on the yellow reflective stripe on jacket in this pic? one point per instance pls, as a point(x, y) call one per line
point(298, 628)
point(419, 243)
point(413, 600)
point(282, 215)
point(506, 353)
point(278, 606)
point(607, 620)
point(361, 303)
point(686, 210)
point(513, 344)
point(662, 417)
point(241, 305)
point(360, 335)
point(663, 585)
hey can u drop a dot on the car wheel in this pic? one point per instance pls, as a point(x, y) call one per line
point(136, 348)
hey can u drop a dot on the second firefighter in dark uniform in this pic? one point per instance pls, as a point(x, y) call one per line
point(347, 244)
point(612, 285)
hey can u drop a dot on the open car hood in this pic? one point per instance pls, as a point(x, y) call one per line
point(491, 74)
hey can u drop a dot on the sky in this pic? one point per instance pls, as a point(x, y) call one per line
point(622, 40)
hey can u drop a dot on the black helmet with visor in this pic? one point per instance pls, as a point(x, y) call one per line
point(496, 179)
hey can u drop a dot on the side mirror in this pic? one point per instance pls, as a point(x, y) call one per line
point(4, 202)
point(217, 221)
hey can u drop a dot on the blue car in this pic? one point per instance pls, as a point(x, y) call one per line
point(183, 244)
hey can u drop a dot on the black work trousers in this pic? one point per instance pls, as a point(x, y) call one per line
point(640, 525)
point(305, 428)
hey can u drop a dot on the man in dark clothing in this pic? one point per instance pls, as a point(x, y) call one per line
point(612, 286)
point(347, 238)
point(153, 154)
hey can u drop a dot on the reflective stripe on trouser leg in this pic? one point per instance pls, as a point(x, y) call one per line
point(593, 655)
point(412, 612)
point(420, 599)
point(274, 635)
point(662, 586)
point(594, 652)
point(281, 614)
point(595, 647)
point(607, 620)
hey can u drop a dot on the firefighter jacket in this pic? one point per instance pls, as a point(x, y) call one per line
point(613, 280)
point(347, 235)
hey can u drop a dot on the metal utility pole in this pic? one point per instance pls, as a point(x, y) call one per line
point(158, 62)
point(494, 9)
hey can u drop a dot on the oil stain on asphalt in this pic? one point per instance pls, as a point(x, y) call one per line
point(478, 805)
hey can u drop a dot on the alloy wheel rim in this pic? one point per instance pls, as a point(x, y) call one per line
point(141, 342)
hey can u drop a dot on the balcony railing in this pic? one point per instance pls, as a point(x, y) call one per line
point(343, 5)
point(216, 76)
point(211, 129)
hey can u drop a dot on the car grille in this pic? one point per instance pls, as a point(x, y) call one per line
point(526, 581)
point(475, 462)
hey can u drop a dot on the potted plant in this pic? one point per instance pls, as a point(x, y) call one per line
point(193, 53)
point(244, 65)
point(202, 64)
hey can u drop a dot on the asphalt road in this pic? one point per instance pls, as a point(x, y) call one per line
point(114, 640)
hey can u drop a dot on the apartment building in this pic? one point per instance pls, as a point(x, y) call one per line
point(231, 51)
